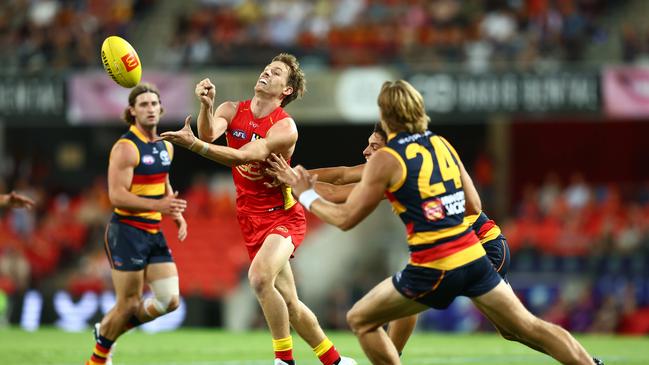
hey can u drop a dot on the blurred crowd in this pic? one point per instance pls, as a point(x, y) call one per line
point(635, 43)
point(577, 218)
point(49, 35)
point(411, 33)
point(480, 34)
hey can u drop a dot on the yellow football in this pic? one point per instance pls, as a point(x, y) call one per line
point(121, 61)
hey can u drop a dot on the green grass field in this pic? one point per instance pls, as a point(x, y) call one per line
point(212, 347)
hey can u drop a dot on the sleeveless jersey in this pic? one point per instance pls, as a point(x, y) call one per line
point(430, 201)
point(149, 179)
point(253, 196)
point(485, 228)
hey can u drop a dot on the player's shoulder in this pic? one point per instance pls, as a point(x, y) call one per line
point(228, 109)
point(125, 149)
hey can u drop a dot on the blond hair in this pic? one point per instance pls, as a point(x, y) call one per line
point(296, 78)
point(142, 88)
point(402, 107)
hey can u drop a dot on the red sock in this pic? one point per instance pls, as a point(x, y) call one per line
point(283, 348)
point(326, 352)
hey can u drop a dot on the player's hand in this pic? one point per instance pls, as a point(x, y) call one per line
point(15, 200)
point(184, 137)
point(181, 223)
point(304, 181)
point(171, 205)
point(280, 169)
point(205, 91)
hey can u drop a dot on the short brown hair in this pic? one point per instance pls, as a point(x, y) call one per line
point(402, 107)
point(296, 79)
point(142, 88)
point(378, 129)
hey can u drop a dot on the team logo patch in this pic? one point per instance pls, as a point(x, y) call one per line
point(433, 210)
point(148, 159)
point(238, 133)
point(117, 261)
point(164, 157)
point(252, 171)
point(281, 229)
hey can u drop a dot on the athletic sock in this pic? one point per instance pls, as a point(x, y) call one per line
point(101, 351)
point(327, 353)
point(283, 348)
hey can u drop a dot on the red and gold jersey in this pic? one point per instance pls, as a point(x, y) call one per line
point(253, 196)
point(429, 199)
point(149, 179)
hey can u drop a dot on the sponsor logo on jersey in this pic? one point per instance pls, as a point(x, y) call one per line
point(238, 133)
point(130, 61)
point(433, 210)
point(252, 171)
point(148, 159)
point(155, 150)
point(255, 136)
point(454, 203)
point(164, 157)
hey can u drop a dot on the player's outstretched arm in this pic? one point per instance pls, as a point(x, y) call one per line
point(340, 175)
point(123, 160)
point(285, 174)
point(281, 137)
point(333, 193)
point(379, 174)
point(15, 200)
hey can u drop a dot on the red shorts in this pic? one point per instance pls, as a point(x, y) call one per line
point(286, 223)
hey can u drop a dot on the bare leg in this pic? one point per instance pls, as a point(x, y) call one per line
point(128, 290)
point(300, 316)
point(381, 305)
point(504, 309)
point(269, 261)
point(400, 330)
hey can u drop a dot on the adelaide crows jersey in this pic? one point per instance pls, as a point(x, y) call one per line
point(429, 199)
point(149, 179)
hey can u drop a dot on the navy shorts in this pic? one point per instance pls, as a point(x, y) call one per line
point(438, 288)
point(132, 249)
point(498, 253)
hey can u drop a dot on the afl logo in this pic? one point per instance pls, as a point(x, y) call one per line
point(238, 133)
point(148, 159)
point(164, 157)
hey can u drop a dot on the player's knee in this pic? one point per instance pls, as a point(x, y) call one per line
point(259, 281)
point(356, 321)
point(174, 303)
point(166, 297)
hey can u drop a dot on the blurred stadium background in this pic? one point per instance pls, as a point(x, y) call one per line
point(546, 101)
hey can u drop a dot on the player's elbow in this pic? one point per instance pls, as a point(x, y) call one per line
point(346, 224)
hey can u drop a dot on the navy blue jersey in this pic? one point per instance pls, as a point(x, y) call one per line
point(149, 179)
point(429, 199)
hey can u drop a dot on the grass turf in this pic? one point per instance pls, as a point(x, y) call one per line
point(216, 347)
